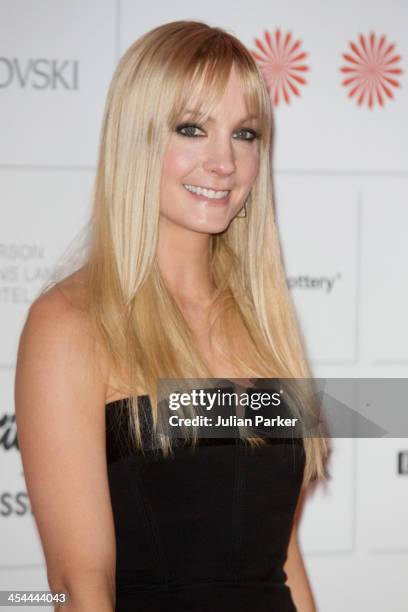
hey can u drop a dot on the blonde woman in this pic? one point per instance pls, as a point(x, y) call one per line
point(184, 279)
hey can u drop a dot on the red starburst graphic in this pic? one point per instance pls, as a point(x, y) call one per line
point(281, 64)
point(371, 67)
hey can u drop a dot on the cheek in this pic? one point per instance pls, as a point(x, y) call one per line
point(177, 163)
point(249, 167)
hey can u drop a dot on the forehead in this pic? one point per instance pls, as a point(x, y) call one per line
point(228, 98)
point(230, 95)
point(194, 114)
point(220, 90)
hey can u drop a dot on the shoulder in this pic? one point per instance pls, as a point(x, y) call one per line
point(58, 335)
point(59, 314)
point(69, 293)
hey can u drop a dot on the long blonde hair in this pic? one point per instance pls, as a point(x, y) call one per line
point(133, 313)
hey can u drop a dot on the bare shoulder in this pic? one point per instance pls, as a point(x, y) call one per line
point(72, 291)
point(61, 314)
point(57, 327)
point(68, 295)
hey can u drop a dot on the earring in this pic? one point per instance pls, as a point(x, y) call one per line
point(244, 209)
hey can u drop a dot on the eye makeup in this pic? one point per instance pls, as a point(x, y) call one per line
point(253, 134)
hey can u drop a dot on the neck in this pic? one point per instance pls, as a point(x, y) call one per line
point(184, 260)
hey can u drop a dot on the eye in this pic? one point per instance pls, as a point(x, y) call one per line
point(250, 134)
point(188, 128)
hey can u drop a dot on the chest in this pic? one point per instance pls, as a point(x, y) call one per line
point(218, 354)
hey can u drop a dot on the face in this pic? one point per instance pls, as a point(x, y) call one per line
point(221, 156)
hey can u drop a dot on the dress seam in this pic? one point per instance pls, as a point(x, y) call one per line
point(150, 523)
point(236, 522)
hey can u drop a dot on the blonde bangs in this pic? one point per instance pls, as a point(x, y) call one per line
point(209, 72)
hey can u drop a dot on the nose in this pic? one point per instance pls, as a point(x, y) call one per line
point(220, 158)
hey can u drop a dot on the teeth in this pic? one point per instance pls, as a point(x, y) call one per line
point(208, 193)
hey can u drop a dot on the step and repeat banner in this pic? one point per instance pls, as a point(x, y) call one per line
point(337, 77)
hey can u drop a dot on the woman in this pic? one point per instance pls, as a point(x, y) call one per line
point(184, 279)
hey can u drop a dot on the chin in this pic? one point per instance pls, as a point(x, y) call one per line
point(209, 226)
point(204, 224)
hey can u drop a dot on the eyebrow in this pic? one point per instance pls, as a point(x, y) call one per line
point(197, 113)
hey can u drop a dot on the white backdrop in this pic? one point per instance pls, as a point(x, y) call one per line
point(341, 178)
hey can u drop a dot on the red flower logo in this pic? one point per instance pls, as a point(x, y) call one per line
point(371, 67)
point(281, 63)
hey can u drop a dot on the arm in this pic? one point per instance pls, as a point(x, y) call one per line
point(297, 579)
point(59, 403)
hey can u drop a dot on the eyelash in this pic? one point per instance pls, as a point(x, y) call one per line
point(254, 133)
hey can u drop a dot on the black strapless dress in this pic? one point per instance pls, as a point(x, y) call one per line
point(205, 530)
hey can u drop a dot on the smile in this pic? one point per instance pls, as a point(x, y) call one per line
point(208, 193)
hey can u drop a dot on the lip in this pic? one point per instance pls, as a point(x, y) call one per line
point(212, 188)
point(210, 201)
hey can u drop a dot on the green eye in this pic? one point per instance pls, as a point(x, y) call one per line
point(251, 134)
point(187, 127)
